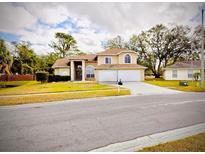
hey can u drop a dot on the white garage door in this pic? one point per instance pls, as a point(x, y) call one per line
point(123, 75)
point(107, 75)
point(129, 75)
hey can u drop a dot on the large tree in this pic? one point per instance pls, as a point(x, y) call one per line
point(63, 44)
point(25, 59)
point(6, 59)
point(196, 43)
point(137, 43)
point(165, 46)
point(117, 42)
point(159, 46)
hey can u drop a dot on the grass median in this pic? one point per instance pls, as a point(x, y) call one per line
point(192, 86)
point(24, 92)
point(33, 87)
point(194, 143)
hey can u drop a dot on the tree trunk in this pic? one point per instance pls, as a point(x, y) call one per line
point(157, 75)
point(7, 77)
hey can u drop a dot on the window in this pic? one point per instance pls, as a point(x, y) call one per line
point(107, 60)
point(174, 74)
point(190, 73)
point(127, 58)
point(90, 72)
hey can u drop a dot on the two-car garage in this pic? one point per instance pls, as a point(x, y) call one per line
point(123, 75)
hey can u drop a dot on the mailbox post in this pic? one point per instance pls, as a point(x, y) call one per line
point(119, 84)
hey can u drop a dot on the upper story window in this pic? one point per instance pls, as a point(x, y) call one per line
point(127, 58)
point(107, 60)
point(90, 72)
point(174, 73)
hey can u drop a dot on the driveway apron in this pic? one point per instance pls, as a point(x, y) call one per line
point(142, 88)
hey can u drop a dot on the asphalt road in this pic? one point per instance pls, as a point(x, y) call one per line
point(89, 124)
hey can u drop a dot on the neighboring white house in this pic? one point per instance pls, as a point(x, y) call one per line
point(110, 65)
point(182, 70)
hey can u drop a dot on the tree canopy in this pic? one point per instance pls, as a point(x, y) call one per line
point(63, 44)
point(6, 59)
point(117, 42)
point(25, 58)
point(159, 46)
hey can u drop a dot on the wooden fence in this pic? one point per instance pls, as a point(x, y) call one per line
point(26, 77)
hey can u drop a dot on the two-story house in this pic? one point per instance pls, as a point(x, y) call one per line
point(110, 65)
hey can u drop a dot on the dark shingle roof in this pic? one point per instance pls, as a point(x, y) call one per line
point(63, 62)
point(186, 64)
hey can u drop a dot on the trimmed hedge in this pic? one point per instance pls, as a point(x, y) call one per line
point(57, 78)
point(42, 76)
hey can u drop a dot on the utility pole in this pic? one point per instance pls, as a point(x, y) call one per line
point(202, 50)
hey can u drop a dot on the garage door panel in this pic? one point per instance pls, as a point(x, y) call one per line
point(107, 75)
point(123, 75)
point(129, 75)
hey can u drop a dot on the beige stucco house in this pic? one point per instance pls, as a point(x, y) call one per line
point(182, 70)
point(109, 65)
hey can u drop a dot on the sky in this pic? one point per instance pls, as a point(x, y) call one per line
point(91, 23)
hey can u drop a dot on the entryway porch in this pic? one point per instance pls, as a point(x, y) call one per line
point(77, 70)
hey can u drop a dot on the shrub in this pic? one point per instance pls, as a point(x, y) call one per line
point(42, 76)
point(196, 76)
point(50, 78)
point(57, 78)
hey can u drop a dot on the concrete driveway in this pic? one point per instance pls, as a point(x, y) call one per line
point(142, 88)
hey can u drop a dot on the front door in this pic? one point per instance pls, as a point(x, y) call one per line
point(78, 72)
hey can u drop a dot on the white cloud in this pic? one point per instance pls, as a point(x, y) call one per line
point(118, 17)
point(49, 13)
point(93, 22)
point(14, 18)
point(91, 41)
point(40, 37)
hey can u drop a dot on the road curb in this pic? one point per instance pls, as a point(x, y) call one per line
point(154, 139)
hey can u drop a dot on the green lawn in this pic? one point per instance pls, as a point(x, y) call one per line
point(192, 87)
point(60, 96)
point(31, 87)
point(77, 90)
point(194, 143)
